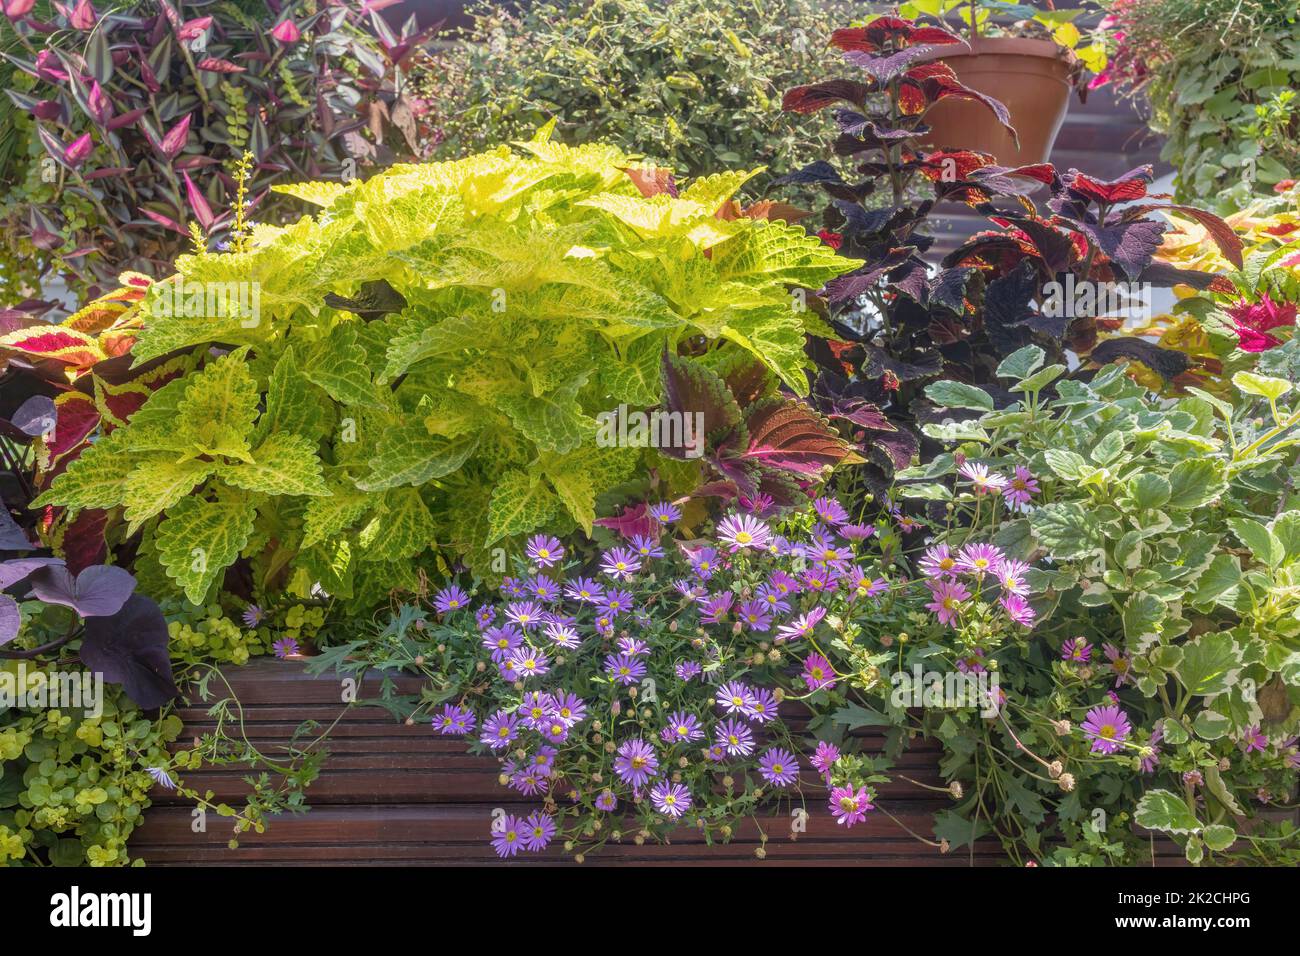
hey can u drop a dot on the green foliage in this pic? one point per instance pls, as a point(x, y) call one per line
point(687, 83)
point(1169, 533)
point(1220, 77)
point(425, 362)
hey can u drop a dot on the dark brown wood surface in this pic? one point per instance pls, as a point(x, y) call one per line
point(392, 794)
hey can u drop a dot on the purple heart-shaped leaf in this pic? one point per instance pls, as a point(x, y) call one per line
point(9, 619)
point(15, 569)
point(12, 537)
point(98, 591)
point(130, 648)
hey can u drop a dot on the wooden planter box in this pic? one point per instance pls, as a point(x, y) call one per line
point(390, 794)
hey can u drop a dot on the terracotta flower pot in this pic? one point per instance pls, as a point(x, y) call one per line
point(1030, 77)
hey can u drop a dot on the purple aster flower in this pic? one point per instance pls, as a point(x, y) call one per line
point(849, 807)
point(1254, 740)
point(823, 552)
point(529, 782)
point(544, 551)
point(1018, 609)
point(818, 580)
point(1121, 664)
point(716, 607)
point(511, 587)
point(606, 801)
point(688, 589)
point(507, 835)
point(778, 767)
point(984, 480)
point(624, 669)
point(830, 511)
point(527, 614)
point(544, 589)
point(1011, 575)
point(734, 697)
point(450, 599)
point(585, 590)
point(1076, 650)
point(286, 647)
point(824, 758)
point(664, 512)
point(529, 662)
point(670, 799)
point(633, 645)
point(761, 504)
point(972, 663)
point(857, 532)
point(681, 728)
point(762, 705)
point(538, 831)
point(906, 523)
point(946, 598)
point(564, 635)
point(454, 719)
point(500, 730)
point(646, 547)
point(704, 562)
point(1150, 761)
point(939, 563)
point(734, 737)
point(161, 776)
point(253, 615)
point(635, 762)
point(620, 563)
point(688, 670)
point(1107, 727)
point(715, 753)
point(979, 559)
point(502, 641)
point(570, 708)
point(773, 599)
point(754, 615)
point(484, 616)
point(535, 708)
point(555, 730)
point(1020, 487)
point(604, 625)
point(818, 673)
point(743, 531)
point(802, 626)
point(616, 602)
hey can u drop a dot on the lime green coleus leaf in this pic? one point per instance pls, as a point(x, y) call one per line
point(520, 503)
point(293, 404)
point(215, 415)
point(160, 482)
point(338, 366)
point(402, 528)
point(283, 464)
point(407, 454)
point(329, 516)
point(97, 479)
point(199, 538)
point(554, 421)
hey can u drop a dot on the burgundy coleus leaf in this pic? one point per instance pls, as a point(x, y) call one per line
point(894, 32)
point(1167, 363)
point(1008, 310)
point(1132, 185)
point(885, 67)
point(98, 591)
point(83, 541)
point(823, 174)
point(192, 29)
point(635, 521)
point(850, 286)
point(735, 470)
point(952, 165)
point(853, 123)
point(1055, 246)
point(791, 436)
point(198, 204)
point(834, 396)
point(1163, 275)
point(18, 569)
point(1224, 236)
point(1130, 246)
point(652, 180)
point(699, 395)
point(898, 446)
point(817, 96)
point(130, 648)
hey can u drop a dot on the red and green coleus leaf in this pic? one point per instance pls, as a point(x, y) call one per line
point(52, 342)
point(691, 389)
point(818, 96)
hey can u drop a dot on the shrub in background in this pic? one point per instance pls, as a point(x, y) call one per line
point(690, 84)
point(135, 120)
point(426, 363)
point(1220, 77)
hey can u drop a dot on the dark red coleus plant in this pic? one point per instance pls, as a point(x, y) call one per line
point(903, 319)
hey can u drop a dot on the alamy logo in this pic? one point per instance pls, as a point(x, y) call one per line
point(208, 300)
point(52, 690)
point(951, 689)
point(77, 909)
point(1079, 299)
point(654, 429)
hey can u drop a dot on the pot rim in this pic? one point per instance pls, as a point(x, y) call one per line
point(1035, 47)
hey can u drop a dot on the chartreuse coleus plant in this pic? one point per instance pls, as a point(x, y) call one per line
point(420, 365)
point(1164, 539)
